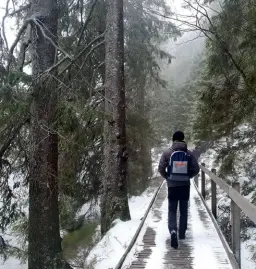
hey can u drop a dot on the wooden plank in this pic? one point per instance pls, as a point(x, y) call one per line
point(196, 179)
point(236, 226)
point(148, 241)
point(214, 196)
point(121, 261)
point(203, 181)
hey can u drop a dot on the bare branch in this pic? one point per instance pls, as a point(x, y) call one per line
point(22, 8)
point(40, 25)
point(22, 56)
point(90, 52)
point(221, 42)
point(206, 32)
point(3, 23)
point(23, 48)
point(18, 37)
point(184, 22)
point(76, 57)
point(86, 22)
point(190, 40)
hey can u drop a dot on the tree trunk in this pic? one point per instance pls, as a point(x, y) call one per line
point(44, 249)
point(145, 151)
point(114, 199)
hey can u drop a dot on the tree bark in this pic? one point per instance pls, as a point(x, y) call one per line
point(114, 199)
point(44, 249)
point(145, 151)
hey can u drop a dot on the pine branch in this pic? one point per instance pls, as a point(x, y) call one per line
point(13, 133)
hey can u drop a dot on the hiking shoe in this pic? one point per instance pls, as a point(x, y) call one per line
point(174, 240)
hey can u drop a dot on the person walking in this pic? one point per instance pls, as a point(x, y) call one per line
point(177, 165)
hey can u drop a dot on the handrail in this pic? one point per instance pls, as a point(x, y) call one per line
point(248, 208)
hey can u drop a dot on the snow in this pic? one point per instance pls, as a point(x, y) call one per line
point(90, 209)
point(156, 155)
point(109, 250)
point(161, 236)
point(160, 239)
point(12, 263)
point(202, 237)
point(248, 259)
point(206, 239)
point(21, 197)
point(107, 253)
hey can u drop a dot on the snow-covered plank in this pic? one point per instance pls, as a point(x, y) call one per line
point(202, 248)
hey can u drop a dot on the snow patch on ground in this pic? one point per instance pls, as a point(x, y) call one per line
point(107, 253)
point(248, 260)
point(90, 209)
point(20, 192)
point(162, 234)
point(12, 263)
point(110, 249)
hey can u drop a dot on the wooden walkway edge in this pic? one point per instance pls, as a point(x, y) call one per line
point(202, 249)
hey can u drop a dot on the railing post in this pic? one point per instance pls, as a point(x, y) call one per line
point(196, 180)
point(236, 226)
point(203, 182)
point(214, 196)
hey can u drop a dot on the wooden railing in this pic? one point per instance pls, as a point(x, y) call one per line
point(238, 203)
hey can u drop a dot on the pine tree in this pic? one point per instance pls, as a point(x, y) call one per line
point(44, 249)
point(114, 200)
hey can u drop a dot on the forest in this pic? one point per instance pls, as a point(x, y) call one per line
point(91, 92)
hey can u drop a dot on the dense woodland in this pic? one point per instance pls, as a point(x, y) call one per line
point(87, 92)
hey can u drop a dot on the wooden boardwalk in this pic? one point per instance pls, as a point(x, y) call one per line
point(202, 248)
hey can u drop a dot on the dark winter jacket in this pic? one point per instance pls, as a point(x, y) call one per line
point(164, 162)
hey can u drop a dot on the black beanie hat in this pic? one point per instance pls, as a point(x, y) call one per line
point(178, 136)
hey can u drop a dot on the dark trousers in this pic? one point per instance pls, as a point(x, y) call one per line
point(179, 194)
